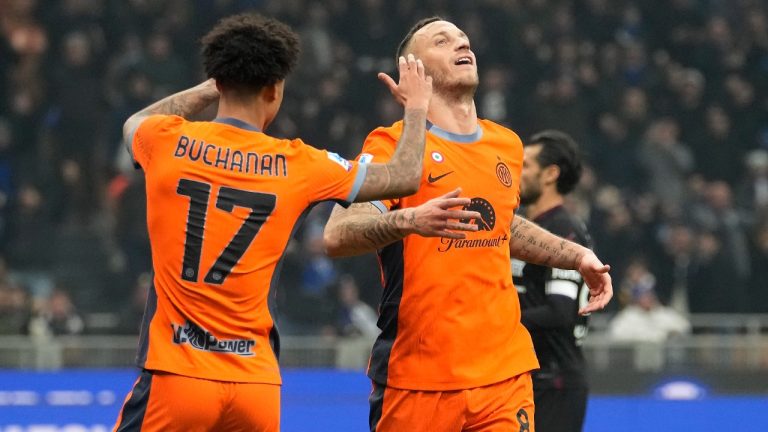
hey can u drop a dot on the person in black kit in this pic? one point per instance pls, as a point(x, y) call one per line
point(550, 297)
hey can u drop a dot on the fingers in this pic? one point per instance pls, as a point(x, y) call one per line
point(453, 202)
point(388, 81)
point(604, 268)
point(452, 194)
point(462, 214)
point(599, 297)
point(458, 226)
point(406, 64)
point(402, 65)
point(600, 287)
point(420, 68)
point(412, 65)
point(595, 304)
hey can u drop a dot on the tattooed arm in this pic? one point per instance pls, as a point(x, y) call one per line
point(363, 228)
point(183, 103)
point(402, 174)
point(535, 245)
point(532, 243)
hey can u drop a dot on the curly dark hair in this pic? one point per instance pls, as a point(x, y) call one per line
point(247, 52)
point(559, 149)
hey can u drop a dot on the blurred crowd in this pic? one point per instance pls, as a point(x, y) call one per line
point(668, 98)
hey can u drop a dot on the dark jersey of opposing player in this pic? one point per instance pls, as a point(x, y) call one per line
point(550, 299)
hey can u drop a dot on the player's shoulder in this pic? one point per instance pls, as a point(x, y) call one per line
point(383, 139)
point(491, 127)
point(387, 133)
point(161, 122)
point(307, 154)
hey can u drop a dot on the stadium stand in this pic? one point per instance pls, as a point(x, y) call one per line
point(669, 99)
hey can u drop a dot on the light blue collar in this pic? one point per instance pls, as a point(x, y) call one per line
point(459, 138)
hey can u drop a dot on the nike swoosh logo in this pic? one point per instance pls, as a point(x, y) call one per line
point(434, 179)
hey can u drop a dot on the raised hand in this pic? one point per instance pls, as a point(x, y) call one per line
point(595, 274)
point(438, 217)
point(415, 88)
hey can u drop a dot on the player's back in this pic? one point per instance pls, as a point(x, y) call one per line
point(222, 201)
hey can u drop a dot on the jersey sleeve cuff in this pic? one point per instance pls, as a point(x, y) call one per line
point(362, 169)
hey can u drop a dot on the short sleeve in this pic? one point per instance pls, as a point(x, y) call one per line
point(150, 134)
point(331, 177)
point(379, 147)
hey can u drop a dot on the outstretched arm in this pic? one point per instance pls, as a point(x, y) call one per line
point(363, 228)
point(184, 103)
point(402, 174)
point(535, 245)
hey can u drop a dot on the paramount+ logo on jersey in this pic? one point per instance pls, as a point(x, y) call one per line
point(486, 222)
point(197, 337)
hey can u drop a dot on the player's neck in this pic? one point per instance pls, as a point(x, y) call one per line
point(453, 116)
point(253, 114)
point(546, 202)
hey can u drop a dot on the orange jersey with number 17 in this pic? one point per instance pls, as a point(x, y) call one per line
point(223, 199)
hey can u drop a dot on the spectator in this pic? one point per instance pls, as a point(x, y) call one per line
point(667, 163)
point(14, 308)
point(354, 317)
point(71, 71)
point(718, 217)
point(712, 288)
point(753, 189)
point(714, 147)
point(672, 263)
point(56, 315)
point(644, 319)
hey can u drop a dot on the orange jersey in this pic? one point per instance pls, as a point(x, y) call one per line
point(222, 202)
point(450, 315)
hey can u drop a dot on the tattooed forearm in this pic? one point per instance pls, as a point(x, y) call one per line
point(536, 245)
point(402, 174)
point(354, 232)
point(410, 148)
point(184, 103)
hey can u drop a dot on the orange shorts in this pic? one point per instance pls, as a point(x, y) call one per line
point(505, 406)
point(166, 402)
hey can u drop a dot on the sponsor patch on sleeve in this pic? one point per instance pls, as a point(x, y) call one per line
point(347, 165)
point(365, 158)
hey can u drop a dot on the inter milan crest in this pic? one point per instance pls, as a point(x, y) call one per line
point(503, 174)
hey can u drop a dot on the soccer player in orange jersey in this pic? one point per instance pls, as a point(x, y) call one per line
point(453, 355)
point(223, 198)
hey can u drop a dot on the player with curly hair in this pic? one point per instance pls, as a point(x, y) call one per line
point(223, 199)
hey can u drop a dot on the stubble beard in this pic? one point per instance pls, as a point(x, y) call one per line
point(457, 90)
point(529, 196)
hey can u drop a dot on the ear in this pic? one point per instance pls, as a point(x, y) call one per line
point(273, 92)
point(550, 174)
point(269, 93)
